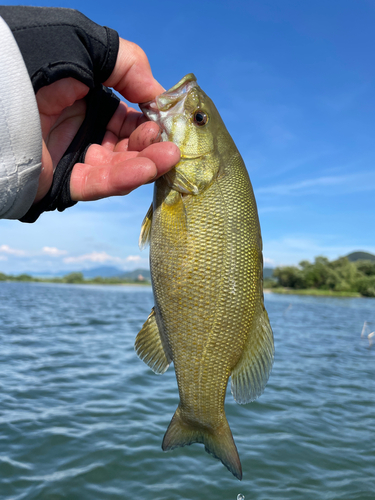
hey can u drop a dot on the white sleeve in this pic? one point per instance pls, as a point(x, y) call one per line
point(20, 132)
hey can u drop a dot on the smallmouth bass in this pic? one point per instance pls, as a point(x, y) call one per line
point(207, 275)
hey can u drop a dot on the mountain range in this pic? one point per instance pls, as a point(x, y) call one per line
point(112, 271)
point(354, 256)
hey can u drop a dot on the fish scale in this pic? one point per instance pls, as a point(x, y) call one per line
point(206, 268)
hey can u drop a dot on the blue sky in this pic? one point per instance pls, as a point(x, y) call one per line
point(294, 83)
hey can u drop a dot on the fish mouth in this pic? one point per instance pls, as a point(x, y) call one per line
point(186, 79)
point(184, 82)
point(164, 107)
point(170, 98)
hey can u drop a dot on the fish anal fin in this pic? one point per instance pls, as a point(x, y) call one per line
point(150, 347)
point(218, 442)
point(249, 377)
point(144, 237)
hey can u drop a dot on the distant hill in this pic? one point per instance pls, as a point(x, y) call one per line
point(102, 271)
point(354, 256)
point(133, 275)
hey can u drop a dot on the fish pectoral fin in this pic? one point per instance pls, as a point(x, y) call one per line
point(144, 237)
point(177, 181)
point(249, 377)
point(150, 347)
point(174, 216)
point(218, 442)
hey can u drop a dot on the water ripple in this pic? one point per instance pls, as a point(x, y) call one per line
point(81, 417)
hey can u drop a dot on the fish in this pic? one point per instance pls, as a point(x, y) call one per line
point(206, 268)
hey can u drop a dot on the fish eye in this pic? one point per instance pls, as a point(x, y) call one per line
point(200, 118)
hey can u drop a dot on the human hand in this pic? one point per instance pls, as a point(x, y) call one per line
point(130, 154)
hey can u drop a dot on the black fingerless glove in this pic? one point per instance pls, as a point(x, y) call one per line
point(58, 43)
point(101, 104)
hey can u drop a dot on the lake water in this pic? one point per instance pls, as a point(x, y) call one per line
point(81, 417)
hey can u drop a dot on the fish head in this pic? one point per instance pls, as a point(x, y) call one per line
point(189, 118)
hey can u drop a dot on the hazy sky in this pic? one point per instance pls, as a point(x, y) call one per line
point(294, 83)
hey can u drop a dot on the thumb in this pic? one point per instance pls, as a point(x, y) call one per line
point(132, 75)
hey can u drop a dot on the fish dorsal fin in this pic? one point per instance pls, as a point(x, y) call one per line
point(150, 347)
point(250, 375)
point(144, 237)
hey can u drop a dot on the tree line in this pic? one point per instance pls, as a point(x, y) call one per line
point(75, 278)
point(339, 275)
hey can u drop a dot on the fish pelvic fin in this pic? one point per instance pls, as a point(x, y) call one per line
point(249, 377)
point(218, 442)
point(151, 348)
point(144, 237)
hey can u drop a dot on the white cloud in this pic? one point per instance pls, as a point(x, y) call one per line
point(93, 257)
point(53, 251)
point(284, 189)
point(361, 181)
point(11, 251)
point(133, 258)
point(268, 262)
point(101, 257)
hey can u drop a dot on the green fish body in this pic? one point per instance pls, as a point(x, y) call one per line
point(207, 275)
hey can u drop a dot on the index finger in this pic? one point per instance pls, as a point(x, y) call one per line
point(125, 120)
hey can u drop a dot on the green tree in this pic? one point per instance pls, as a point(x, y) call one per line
point(24, 277)
point(346, 273)
point(338, 275)
point(316, 275)
point(73, 278)
point(366, 267)
point(289, 276)
point(365, 286)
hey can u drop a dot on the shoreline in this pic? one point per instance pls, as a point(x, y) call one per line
point(281, 291)
point(87, 282)
point(312, 292)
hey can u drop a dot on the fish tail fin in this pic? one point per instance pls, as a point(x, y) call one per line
point(218, 442)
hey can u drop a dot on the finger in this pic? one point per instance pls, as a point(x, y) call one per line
point(143, 136)
point(125, 120)
point(98, 156)
point(132, 75)
point(105, 173)
point(46, 174)
point(109, 141)
point(164, 154)
point(119, 116)
point(57, 96)
point(133, 120)
point(64, 130)
point(89, 183)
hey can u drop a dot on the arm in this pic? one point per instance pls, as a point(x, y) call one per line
point(76, 111)
point(20, 132)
